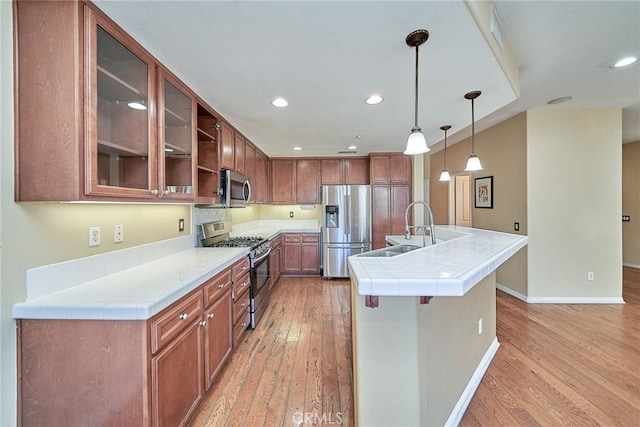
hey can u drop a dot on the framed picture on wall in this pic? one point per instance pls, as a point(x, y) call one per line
point(484, 192)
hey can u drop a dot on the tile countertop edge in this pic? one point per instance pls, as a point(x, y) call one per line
point(457, 285)
point(143, 308)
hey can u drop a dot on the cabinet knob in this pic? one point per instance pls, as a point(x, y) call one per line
point(217, 126)
point(221, 285)
point(244, 304)
point(154, 192)
point(210, 315)
point(166, 192)
point(203, 323)
point(183, 316)
point(243, 324)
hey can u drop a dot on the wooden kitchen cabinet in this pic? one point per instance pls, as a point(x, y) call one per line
point(275, 259)
point(301, 254)
point(99, 107)
point(283, 181)
point(307, 178)
point(345, 171)
point(227, 147)
point(208, 132)
point(261, 183)
point(154, 373)
point(238, 153)
point(295, 181)
point(390, 168)
point(250, 167)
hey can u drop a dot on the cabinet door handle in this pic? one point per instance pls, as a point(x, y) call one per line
point(203, 323)
point(154, 191)
point(183, 316)
point(221, 285)
point(210, 315)
point(166, 192)
point(244, 304)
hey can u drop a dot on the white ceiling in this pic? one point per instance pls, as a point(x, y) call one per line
point(326, 57)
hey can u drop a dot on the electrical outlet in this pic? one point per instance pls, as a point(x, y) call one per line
point(290, 214)
point(590, 275)
point(94, 236)
point(118, 233)
point(480, 326)
point(181, 224)
point(516, 226)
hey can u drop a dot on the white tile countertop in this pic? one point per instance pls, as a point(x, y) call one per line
point(136, 293)
point(461, 258)
point(271, 228)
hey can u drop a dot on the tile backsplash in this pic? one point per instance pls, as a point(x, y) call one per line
point(55, 277)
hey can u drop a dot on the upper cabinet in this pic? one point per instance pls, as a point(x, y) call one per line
point(390, 168)
point(295, 181)
point(208, 132)
point(97, 117)
point(349, 171)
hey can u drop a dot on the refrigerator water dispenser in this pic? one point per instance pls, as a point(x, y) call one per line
point(331, 216)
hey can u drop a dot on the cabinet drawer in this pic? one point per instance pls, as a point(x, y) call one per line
point(275, 242)
point(292, 238)
point(310, 238)
point(240, 305)
point(239, 268)
point(240, 328)
point(175, 319)
point(241, 286)
point(216, 287)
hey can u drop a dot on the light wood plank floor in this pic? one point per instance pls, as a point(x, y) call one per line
point(295, 367)
point(558, 365)
point(561, 365)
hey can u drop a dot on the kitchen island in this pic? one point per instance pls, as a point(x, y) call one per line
point(418, 360)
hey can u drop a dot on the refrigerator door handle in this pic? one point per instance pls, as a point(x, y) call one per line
point(347, 204)
point(347, 246)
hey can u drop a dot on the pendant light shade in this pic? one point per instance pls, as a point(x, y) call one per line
point(473, 164)
point(444, 175)
point(416, 143)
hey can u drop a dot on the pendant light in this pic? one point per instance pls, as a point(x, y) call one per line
point(473, 164)
point(444, 175)
point(416, 143)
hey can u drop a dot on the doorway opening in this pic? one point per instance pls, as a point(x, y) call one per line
point(460, 200)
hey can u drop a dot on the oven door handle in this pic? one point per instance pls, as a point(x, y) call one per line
point(263, 256)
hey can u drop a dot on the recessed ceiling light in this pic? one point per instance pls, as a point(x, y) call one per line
point(352, 147)
point(625, 61)
point(560, 100)
point(358, 136)
point(297, 148)
point(374, 99)
point(280, 102)
point(169, 150)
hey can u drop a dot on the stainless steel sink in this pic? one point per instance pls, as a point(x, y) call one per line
point(390, 251)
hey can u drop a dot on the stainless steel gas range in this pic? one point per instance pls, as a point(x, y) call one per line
point(216, 234)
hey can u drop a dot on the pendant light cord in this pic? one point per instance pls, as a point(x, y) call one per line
point(473, 129)
point(415, 118)
point(445, 149)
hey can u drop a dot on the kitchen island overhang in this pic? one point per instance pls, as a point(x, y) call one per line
point(417, 364)
point(460, 260)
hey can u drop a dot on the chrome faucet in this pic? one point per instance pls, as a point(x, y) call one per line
point(407, 227)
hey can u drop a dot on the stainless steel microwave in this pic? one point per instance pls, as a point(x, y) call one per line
point(236, 190)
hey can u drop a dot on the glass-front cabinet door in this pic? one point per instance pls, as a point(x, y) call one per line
point(177, 136)
point(121, 127)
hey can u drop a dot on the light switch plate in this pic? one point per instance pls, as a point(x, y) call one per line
point(118, 233)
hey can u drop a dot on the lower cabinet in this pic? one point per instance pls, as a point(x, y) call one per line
point(241, 314)
point(177, 378)
point(130, 372)
point(275, 259)
point(301, 254)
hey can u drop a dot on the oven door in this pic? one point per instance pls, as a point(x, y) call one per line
point(260, 285)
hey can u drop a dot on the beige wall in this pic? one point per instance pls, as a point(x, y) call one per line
point(282, 212)
point(503, 152)
point(631, 203)
point(574, 203)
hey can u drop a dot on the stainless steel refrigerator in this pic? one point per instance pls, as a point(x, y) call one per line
point(346, 226)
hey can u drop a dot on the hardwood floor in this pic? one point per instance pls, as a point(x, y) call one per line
point(557, 365)
point(295, 367)
point(563, 365)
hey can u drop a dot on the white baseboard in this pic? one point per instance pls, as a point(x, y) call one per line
point(560, 300)
point(511, 292)
point(465, 398)
point(575, 300)
point(628, 264)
